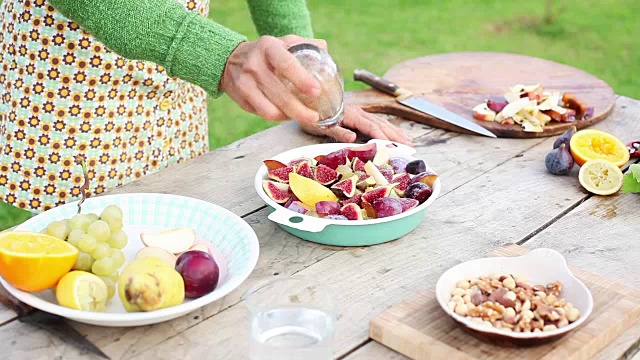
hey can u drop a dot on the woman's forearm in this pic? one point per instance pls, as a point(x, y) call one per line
point(188, 45)
point(281, 17)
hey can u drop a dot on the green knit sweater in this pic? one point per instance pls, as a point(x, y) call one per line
point(188, 45)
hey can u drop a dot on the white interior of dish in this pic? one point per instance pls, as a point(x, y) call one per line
point(539, 266)
point(150, 212)
point(311, 151)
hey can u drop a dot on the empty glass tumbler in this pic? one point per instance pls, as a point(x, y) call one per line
point(291, 318)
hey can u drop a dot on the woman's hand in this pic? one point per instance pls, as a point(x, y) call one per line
point(250, 79)
point(358, 119)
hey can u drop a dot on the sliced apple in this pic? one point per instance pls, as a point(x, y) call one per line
point(482, 112)
point(200, 247)
point(372, 170)
point(382, 156)
point(162, 254)
point(174, 241)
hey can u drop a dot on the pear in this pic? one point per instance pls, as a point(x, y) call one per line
point(149, 284)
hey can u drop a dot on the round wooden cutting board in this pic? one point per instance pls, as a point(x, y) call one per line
point(460, 81)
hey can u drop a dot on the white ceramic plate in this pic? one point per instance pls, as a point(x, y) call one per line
point(539, 266)
point(154, 212)
point(282, 215)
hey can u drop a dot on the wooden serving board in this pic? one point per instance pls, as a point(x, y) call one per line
point(420, 329)
point(460, 81)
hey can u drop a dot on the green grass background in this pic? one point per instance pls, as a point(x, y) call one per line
point(598, 36)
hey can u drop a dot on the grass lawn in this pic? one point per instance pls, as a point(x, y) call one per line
point(598, 36)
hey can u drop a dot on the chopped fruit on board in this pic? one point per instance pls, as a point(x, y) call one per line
point(358, 183)
point(533, 108)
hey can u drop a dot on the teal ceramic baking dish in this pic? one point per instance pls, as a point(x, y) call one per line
point(340, 232)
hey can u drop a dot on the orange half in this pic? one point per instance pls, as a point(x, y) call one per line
point(591, 144)
point(33, 261)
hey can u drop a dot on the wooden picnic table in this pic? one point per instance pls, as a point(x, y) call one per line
point(495, 191)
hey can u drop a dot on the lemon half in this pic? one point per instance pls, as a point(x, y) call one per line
point(600, 177)
point(81, 290)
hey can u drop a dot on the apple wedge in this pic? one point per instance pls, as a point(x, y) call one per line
point(162, 254)
point(382, 156)
point(373, 170)
point(174, 241)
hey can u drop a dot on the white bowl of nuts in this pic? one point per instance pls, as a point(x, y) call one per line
point(524, 300)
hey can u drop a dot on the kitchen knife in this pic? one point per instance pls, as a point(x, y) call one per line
point(406, 98)
point(53, 324)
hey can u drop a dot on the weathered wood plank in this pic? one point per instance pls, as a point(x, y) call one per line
point(374, 350)
point(600, 230)
point(462, 225)
point(6, 314)
point(23, 341)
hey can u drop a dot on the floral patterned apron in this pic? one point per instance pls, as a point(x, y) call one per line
point(63, 93)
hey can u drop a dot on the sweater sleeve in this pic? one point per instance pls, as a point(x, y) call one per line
point(189, 46)
point(281, 17)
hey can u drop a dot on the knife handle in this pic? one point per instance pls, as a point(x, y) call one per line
point(380, 84)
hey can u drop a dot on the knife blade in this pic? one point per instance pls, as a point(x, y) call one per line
point(53, 324)
point(406, 98)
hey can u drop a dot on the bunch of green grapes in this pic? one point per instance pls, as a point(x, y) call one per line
point(100, 240)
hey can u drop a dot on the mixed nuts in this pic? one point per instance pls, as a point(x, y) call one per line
point(512, 304)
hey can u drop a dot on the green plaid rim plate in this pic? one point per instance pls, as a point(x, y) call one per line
point(153, 212)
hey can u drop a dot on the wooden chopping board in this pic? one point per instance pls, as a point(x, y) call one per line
point(420, 329)
point(460, 81)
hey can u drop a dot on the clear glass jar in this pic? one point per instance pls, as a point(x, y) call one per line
point(330, 103)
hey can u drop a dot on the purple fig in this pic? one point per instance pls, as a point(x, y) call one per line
point(559, 161)
point(565, 138)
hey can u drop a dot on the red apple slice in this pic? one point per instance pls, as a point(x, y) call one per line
point(174, 241)
point(162, 254)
